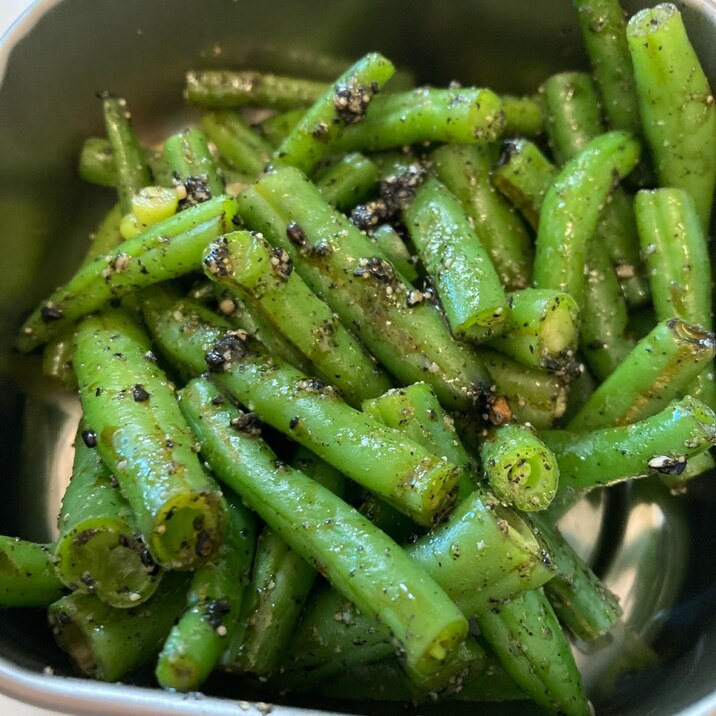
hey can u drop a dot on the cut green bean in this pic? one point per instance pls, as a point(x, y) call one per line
point(524, 116)
point(237, 143)
point(217, 590)
point(661, 443)
point(465, 170)
point(166, 250)
point(107, 643)
point(468, 286)
point(395, 251)
point(362, 563)
point(571, 211)
point(100, 549)
point(520, 468)
point(132, 414)
point(460, 116)
point(542, 329)
point(306, 410)
point(658, 370)
point(676, 104)
point(278, 126)
point(129, 162)
point(227, 89)
point(341, 105)
point(246, 263)
point(527, 638)
point(27, 574)
point(405, 333)
point(349, 181)
point(96, 162)
point(188, 157)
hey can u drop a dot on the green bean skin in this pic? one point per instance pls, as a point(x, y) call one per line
point(524, 116)
point(217, 590)
point(603, 29)
point(581, 601)
point(227, 89)
point(246, 263)
point(96, 162)
point(542, 329)
point(658, 370)
point(280, 584)
point(676, 104)
point(677, 257)
point(349, 181)
point(237, 143)
point(27, 574)
point(395, 251)
point(166, 250)
point(362, 563)
point(129, 162)
point(661, 443)
point(188, 157)
point(534, 396)
point(520, 468)
point(459, 116)
point(278, 126)
point(402, 472)
point(99, 549)
point(341, 105)
point(145, 443)
point(571, 211)
point(469, 288)
point(465, 170)
point(405, 333)
point(525, 635)
point(107, 643)
point(523, 175)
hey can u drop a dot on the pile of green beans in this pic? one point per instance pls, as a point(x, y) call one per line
point(334, 367)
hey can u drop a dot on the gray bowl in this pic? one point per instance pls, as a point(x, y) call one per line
point(654, 551)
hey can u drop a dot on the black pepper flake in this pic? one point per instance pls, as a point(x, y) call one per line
point(281, 263)
point(247, 423)
point(51, 313)
point(215, 612)
point(98, 392)
point(139, 393)
point(62, 618)
point(293, 422)
point(218, 400)
point(203, 544)
point(320, 132)
point(375, 267)
point(89, 438)
point(226, 350)
point(667, 465)
point(351, 101)
point(296, 234)
point(217, 261)
point(197, 191)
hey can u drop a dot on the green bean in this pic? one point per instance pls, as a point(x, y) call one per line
point(527, 638)
point(604, 34)
point(144, 441)
point(676, 104)
point(129, 162)
point(107, 643)
point(542, 329)
point(677, 257)
point(405, 333)
point(27, 574)
point(279, 587)
point(226, 89)
point(310, 413)
point(582, 602)
point(465, 171)
point(278, 126)
point(697, 465)
point(571, 211)
point(349, 181)
point(247, 264)
point(574, 120)
point(96, 162)
point(100, 549)
point(520, 468)
point(339, 106)
point(188, 157)
point(395, 251)
point(524, 116)
point(534, 396)
point(362, 563)
point(385, 517)
point(468, 286)
point(237, 143)
point(582, 385)
point(661, 443)
point(523, 175)
point(658, 370)
point(217, 590)
point(166, 250)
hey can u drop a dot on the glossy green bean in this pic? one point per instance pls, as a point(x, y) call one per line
point(27, 574)
point(188, 157)
point(349, 181)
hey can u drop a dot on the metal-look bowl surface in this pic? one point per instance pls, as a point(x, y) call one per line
point(656, 552)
